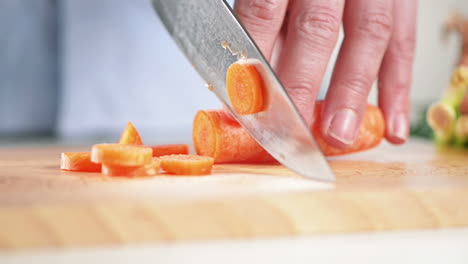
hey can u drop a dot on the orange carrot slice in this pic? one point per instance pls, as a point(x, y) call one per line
point(78, 161)
point(163, 150)
point(150, 169)
point(187, 164)
point(130, 135)
point(218, 136)
point(245, 88)
point(121, 155)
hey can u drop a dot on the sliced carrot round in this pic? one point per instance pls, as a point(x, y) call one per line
point(245, 88)
point(163, 150)
point(78, 161)
point(130, 135)
point(150, 169)
point(121, 155)
point(187, 164)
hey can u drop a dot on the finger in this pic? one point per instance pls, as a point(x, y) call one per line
point(395, 73)
point(279, 45)
point(263, 20)
point(367, 27)
point(464, 105)
point(312, 32)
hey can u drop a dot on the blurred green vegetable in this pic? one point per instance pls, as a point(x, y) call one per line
point(448, 126)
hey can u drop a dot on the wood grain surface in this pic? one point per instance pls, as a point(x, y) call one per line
point(390, 188)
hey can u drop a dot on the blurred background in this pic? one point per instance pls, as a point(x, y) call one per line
point(77, 70)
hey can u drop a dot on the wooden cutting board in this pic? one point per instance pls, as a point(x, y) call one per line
point(390, 188)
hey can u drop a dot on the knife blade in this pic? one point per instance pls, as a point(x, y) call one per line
point(212, 38)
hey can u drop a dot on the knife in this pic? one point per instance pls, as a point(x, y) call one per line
point(212, 38)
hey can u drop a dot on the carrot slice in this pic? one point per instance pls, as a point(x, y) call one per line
point(245, 88)
point(187, 164)
point(163, 150)
point(130, 135)
point(217, 135)
point(121, 155)
point(150, 169)
point(78, 161)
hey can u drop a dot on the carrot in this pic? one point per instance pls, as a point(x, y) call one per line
point(163, 150)
point(78, 161)
point(130, 135)
point(245, 88)
point(121, 155)
point(150, 169)
point(187, 164)
point(217, 135)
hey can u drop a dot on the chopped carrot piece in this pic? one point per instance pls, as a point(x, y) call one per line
point(150, 169)
point(163, 150)
point(219, 136)
point(187, 164)
point(121, 155)
point(78, 161)
point(245, 88)
point(130, 135)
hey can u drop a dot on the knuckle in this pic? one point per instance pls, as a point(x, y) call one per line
point(263, 10)
point(301, 92)
point(377, 25)
point(401, 87)
point(357, 86)
point(396, 87)
point(403, 48)
point(318, 22)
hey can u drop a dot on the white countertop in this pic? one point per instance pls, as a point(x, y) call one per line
point(437, 246)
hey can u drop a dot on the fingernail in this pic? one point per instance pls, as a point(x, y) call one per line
point(399, 127)
point(343, 126)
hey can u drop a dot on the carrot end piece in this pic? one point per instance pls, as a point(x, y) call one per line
point(130, 135)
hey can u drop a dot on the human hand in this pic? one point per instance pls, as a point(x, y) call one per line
point(379, 44)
